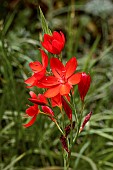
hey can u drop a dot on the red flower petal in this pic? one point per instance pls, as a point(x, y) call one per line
point(48, 81)
point(30, 80)
point(63, 38)
point(36, 101)
point(57, 36)
point(40, 99)
point(30, 123)
point(56, 46)
point(40, 75)
point(47, 46)
point(32, 110)
point(56, 101)
point(52, 91)
point(70, 67)
point(44, 58)
point(48, 37)
point(33, 95)
point(39, 84)
point(75, 79)
point(57, 67)
point(36, 66)
point(65, 89)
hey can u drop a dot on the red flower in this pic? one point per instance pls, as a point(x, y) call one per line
point(55, 43)
point(32, 111)
point(40, 99)
point(38, 69)
point(84, 85)
point(63, 79)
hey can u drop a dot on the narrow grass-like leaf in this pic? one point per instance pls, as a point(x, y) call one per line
point(81, 153)
point(93, 49)
point(13, 162)
point(87, 159)
point(8, 22)
point(45, 27)
point(102, 134)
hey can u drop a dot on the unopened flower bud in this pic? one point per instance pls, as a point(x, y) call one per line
point(84, 85)
point(86, 119)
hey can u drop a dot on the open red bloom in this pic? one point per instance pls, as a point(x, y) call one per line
point(55, 43)
point(32, 111)
point(38, 69)
point(84, 85)
point(64, 78)
point(40, 99)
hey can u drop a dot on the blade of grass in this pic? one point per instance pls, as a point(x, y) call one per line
point(84, 147)
point(87, 159)
point(45, 27)
point(93, 49)
point(13, 162)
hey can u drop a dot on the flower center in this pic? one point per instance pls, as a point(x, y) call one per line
point(63, 80)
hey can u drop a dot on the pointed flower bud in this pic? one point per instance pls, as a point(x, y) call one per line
point(67, 108)
point(86, 119)
point(68, 128)
point(64, 143)
point(84, 85)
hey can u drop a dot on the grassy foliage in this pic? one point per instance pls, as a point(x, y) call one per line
point(90, 39)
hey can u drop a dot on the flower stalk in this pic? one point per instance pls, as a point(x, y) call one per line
point(57, 81)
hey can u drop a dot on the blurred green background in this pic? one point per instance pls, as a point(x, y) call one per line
point(88, 28)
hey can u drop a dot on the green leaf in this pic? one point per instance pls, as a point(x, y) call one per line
point(45, 27)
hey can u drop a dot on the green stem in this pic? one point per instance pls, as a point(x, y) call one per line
point(59, 128)
point(60, 57)
point(74, 108)
point(63, 122)
point(66, 160)
point(79, 124)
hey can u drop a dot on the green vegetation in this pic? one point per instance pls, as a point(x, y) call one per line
point(89, 33)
